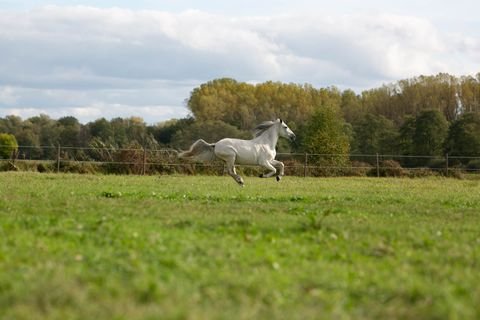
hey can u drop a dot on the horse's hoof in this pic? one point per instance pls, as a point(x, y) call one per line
point(240, 182)
point(278, 178)
point(261, 175)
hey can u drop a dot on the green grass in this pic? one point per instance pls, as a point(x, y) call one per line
point(183, 247)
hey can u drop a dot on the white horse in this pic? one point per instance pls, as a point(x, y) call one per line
point(258, 151)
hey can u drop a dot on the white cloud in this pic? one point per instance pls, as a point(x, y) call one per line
point(151, 114)
point(92, 62)
point(7, 95)
point(109, 111)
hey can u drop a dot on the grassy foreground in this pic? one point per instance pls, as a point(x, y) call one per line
point(183, 247)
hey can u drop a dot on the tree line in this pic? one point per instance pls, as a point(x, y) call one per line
point(423, 116)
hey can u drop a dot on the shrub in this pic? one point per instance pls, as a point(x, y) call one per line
point(77, 167)
point(388, 168)
point(8, 145)
point(437, 163)
point(422, 172)
point(8, 166)
point(456, 173)
point(358, 169)
point(473, 165)
point(293, 167)
point(43, 167)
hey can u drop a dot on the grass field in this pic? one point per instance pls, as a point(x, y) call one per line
point(184, 247)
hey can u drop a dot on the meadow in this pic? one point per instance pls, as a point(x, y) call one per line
point(200, 247)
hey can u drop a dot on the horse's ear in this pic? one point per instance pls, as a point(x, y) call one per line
point(281, 121)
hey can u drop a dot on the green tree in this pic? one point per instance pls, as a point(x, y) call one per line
point(405, 136)
point(324, 133)
point(210, 131)
point(381, 102)
point(409, 97)
point(165, 131)
point(375, 134)
point(405, 140)
point(101, 129)
point(423, 135)
point(8, 145)
point(464, 136)
point(11, 124)
point(245, 105)
point(69, 131)
point(119, 132)
point(215, 100)
point(351, 106)
point(46, 129)
point(431, 129)
point(469, 93)
point(136, 130)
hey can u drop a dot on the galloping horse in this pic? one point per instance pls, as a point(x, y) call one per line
point(258, 151)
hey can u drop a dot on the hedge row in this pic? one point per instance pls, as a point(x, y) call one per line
point(386, 168)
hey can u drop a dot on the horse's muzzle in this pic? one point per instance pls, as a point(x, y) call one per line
point(292, 137)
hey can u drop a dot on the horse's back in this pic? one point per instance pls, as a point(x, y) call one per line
point(231, 146)
point(242, 151)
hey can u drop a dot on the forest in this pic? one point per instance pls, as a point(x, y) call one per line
point(422, 116)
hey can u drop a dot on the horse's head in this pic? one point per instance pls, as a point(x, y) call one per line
point(285, 131)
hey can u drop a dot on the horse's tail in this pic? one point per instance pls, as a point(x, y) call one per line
point(199, 151)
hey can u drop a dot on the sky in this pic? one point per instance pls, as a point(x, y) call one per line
point(94, 59)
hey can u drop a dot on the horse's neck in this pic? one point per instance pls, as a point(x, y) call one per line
point(269, 137)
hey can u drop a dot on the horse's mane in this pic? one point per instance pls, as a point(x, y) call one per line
point(262, 127)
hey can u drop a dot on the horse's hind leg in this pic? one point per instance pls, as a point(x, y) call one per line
point(228, 155)
point(232, 172)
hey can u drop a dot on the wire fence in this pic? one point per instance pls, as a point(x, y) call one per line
point(165, 161)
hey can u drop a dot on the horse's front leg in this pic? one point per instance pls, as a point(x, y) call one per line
point(281, 169)
point(267, 165)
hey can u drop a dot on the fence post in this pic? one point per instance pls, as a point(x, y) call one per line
point(378, 167)
point(446, 163)
point(305, 163)
point(14, 155)
point(58, 157)
point(144, 161)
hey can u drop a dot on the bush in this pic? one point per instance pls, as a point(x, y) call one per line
point(358, 169)
point(456, 173)
point(422, 173)
point(437, 164)
point(473, 165)
point(77, 167)
point(388, 168)
point(42, 167)
point(293, 167)
point(8, 146)
point(8, 166)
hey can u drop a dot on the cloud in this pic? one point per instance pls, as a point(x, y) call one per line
point(96, 62)
point(103, 110)
point(7, 95)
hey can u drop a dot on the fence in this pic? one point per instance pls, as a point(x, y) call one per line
point(165, 161)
